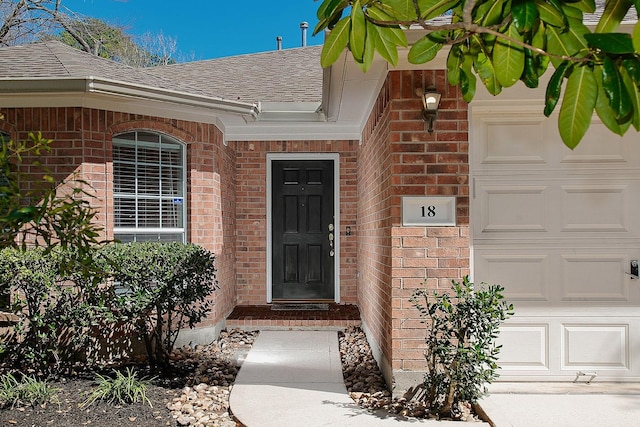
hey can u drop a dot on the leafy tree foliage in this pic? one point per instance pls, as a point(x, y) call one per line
point(26, 21)
point(43, 213)
point(461, 353)
point(501, 42)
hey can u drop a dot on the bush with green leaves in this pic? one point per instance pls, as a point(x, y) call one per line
point(28, 391)
point(162, 287)
point(461, 352)
point(93, 315)
point(122, 388)
point(55, 304)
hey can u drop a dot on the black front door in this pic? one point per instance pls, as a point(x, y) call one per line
point(302, 228)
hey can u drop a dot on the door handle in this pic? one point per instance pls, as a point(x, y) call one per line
point(331, 239)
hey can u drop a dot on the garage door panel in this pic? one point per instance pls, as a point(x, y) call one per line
point(512, 141)
point(525, 277)
point(512, 208)
point(591, 149)
point(596, 277)
point(595, 346)
point(595, 208)
point(531, 351)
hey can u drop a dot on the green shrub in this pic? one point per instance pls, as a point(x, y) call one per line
point(91, 314)
point(121, 389)
point(28, 391)
point(55, 305)
point(461, 353)
point(162, 287)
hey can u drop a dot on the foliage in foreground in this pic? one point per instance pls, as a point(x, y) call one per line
point(143, 291)
point(461, 353)
point(45, 213)
point(501, 42)
point(122, 388)
point(28, 391)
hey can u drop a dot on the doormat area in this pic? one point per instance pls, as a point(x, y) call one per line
point(300, 307)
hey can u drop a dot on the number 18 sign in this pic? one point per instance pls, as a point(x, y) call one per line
point(428, 211)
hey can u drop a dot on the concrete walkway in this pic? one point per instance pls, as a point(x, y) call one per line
point(294, 379)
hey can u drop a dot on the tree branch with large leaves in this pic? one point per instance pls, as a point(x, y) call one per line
point(501, 42)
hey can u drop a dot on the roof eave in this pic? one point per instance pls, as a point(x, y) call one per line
point(91, 84)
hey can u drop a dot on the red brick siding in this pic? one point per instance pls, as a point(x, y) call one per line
point(251, 170)
point(374, 225)
point(415, 162)
point(82, 143)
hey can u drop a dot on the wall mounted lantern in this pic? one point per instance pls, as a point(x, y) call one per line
point(430, 103)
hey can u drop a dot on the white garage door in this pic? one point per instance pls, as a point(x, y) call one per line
point(559, 230)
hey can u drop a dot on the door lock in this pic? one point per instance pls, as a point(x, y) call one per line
point(634, 269)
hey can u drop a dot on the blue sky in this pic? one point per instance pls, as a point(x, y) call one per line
point(210, 29)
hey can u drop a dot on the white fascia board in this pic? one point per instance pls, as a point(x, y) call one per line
point(290, 112)
point(115, 87)
point(90, 84)
point(292, 131)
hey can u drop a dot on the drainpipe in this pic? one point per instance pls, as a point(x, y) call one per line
point(279, 43)
point(303, 28)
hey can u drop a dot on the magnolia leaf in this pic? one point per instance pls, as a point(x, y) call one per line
point(508, 58)
point(554, 87)
point(614, 12)
point(567, 43)
point(633, 67)
point(614, 43)
point(335, 42)
point(329, 12)
point(393, 34)
point(467, 79)
point(551, 12)
point(454, 63)
point(493, 13)
point(530, 74)
point(434, 8)
point(424, 50)
point(577, 107)
point(386, 49)
point(636, 37)
point(634, 94)
point(404, 9)
point(358, 31)
point(525, 15)
point(603, 107)
point(487, 73)
point(369, 50)
point(587, 6)
point(615, 90)
point(327, 8)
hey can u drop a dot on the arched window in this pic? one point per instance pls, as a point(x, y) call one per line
point(148, 188)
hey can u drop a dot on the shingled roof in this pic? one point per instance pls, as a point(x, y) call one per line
point(287, 75)
point(278, 76)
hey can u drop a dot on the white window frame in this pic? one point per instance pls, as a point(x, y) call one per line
point(136, 231)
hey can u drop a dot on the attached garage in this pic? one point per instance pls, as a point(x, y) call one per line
point(559, 229)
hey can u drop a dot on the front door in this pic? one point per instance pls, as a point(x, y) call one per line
point(303, 252)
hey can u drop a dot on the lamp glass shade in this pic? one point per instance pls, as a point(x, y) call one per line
point(431, 101)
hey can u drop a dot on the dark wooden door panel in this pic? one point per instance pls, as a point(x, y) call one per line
point(303, 209)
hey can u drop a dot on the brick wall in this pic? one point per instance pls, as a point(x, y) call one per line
point(404, 159)
point(251, 170)
point(82, 143)
point(374, 225)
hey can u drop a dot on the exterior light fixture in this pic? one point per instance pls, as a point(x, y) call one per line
point(430, 103)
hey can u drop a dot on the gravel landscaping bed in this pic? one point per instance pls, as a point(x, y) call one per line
point(196, 391)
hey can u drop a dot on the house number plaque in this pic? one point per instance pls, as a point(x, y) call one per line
point(428, 211)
